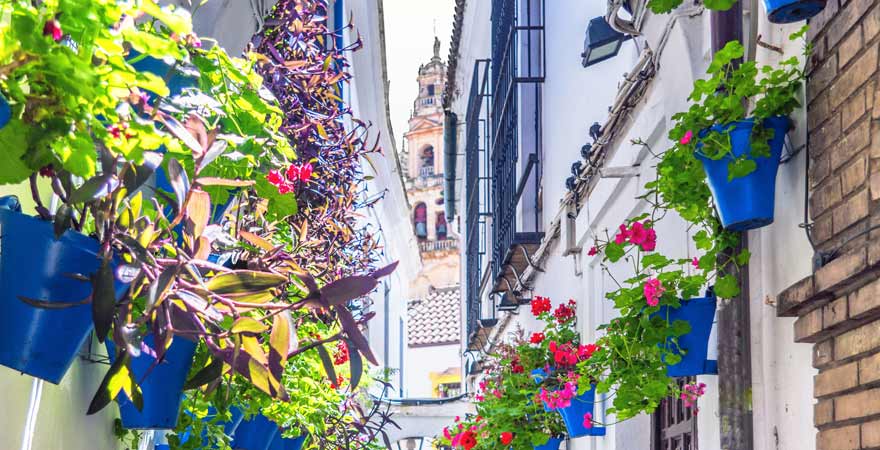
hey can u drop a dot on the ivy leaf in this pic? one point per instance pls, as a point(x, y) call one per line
point(13, 140)
point(614, 252)
point(727, 286)
point(719, 5)
point(740, 167)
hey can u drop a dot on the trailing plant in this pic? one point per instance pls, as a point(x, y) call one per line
point(306, 69)
point(665, 6)
point(637, 346)
point(99, 130)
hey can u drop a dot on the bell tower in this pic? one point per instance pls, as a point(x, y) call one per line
point(424, 180)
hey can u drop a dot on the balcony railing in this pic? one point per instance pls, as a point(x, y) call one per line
point(515, 147)
point(477, 189)
point(436, 246)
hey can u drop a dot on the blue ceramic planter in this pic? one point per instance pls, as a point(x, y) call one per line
point(747, 202)
point(162, 388)
point(43, 342)
point(573, 416)
point(552, 444)
point(254, 434)
point(5, 111)
point(788, 11)
point(699, 313)
point(283, 443)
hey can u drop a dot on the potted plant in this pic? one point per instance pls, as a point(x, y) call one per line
point(778, 11)
point(663, 325)
point(736, 128)
point(161, 382)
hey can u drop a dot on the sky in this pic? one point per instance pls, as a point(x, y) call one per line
point(409, 41)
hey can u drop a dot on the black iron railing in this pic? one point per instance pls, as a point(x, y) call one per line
point(515, 132)
point(476, 187)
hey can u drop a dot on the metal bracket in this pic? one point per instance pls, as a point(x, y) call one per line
point(619, 172)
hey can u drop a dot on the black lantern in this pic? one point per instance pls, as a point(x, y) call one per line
point(601, 42)
point(508, 302)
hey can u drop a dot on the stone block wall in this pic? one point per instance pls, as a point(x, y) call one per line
point(838, 307)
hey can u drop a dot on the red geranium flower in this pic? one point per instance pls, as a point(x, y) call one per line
point(540, 305)
point(506, 438)
point(53, 28)
point(537, 338)
point(468, 440)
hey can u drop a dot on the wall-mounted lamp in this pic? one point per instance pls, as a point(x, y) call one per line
point(508, 302)
point(601, 42)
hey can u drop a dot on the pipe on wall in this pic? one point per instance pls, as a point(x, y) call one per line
point(450, 153)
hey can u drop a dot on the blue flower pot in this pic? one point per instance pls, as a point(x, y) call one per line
point(747, 202)
point(699, 313)
point(254, 434)
point(37, 341)
point(176, 83)
point(162, 388)
point(788, 11)
point(283, 443)
point(5, 111)
point(573, 416)
point(539, 375)
point(552, 444)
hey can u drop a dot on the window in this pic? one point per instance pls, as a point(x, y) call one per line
point(440, 226)
point(674, 425)
point(427, 162)
point(449, 390)
point(430, 90)
point(420, 220)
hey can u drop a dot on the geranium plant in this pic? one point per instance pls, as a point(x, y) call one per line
point(665, 6)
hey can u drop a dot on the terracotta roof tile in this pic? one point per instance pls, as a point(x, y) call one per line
point(435, 320)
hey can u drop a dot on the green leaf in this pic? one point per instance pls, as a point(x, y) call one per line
point(206, 375)
point(248, 325)
point(740, 167)
point(103, 299)
point(63, 220)
point(355, 364)
point(244, 282)
point(327, 363)
point(118, 378)
point(727, 286)
point(614, 252)
point(743, 257)
point(719, 5)
point(13, 141)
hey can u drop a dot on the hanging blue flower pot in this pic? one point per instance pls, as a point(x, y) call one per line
point(573, 415)
point(162, 387)
point(254, 434)
point(552, 444)
point(5, 111)
point(43, 342)
point(746, 202)
point(700, 314)
point(283, 443)
point(788, 11)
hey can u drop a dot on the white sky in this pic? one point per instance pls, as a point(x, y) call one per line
point(409, 42)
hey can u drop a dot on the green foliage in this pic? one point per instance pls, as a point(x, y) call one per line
point(665, 6)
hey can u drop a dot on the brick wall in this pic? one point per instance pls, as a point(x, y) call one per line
point(838, 307)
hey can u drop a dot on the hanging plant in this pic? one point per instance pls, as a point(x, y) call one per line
point(98, 130)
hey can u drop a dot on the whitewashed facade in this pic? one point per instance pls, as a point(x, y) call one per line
point(677, 49)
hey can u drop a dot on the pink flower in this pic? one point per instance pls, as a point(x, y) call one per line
point(588, 420)
point(593, 251)
point(292, 172)
point(650, 242)
point(696, 262)
point(305, 172)
point(586, 351)
point(53, 28)
point(496, 393)
point(686, 139)
point(274, 177)
point(622, 236)
point(653, 291)
point(446, 433)
point(638, 233)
